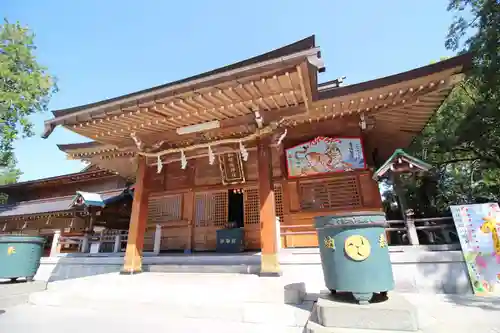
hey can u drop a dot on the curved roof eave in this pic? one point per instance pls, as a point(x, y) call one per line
point(288, 50)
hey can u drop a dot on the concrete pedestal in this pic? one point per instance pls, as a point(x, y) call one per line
point(392, 314)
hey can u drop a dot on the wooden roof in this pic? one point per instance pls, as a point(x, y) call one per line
point(63, 179)
point(404, 162)
point(271, 82)
point(399, 106)
point(285, 89)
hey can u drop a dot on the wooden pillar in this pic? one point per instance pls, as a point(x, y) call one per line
point(138, 221)
point(409, 222)
point(270, 265)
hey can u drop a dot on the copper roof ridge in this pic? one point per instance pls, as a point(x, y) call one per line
point(53, 178)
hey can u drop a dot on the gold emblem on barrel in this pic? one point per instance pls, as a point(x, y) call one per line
point(357, 247)
point(382, 241)
point(11, 250)
point(330, 243)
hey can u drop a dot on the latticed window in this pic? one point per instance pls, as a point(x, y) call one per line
point(252, 204)
point(334, 193)
point(165, 208)
point(211, 209)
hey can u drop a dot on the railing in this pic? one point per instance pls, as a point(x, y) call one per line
point(437, 231)
point(106, 239)
point(424, 231)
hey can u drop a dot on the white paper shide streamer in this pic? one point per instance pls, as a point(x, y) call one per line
point(211, 156)
point(184, 161)
point(159, 164)
point(282, 136)
point(244, 152)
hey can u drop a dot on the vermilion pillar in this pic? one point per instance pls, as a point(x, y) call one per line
point(138, 222)
point(270, 265)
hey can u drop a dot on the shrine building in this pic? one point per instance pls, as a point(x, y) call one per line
point(258, 145)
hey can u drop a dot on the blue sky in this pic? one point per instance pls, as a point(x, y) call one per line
point(100, 49)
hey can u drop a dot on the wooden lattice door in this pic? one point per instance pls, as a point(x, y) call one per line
point(211, 209)
point(252, 214)
point(166, 210)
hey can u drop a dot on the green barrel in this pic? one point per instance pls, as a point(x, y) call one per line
point(20, 256)
point(230, 240)
point(355, 254)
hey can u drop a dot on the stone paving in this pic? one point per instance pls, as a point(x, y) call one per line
point(195, 303)
point(45, 319)
point(18, 292)
point(457, 313)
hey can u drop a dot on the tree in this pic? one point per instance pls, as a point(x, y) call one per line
point(10, 174)
point(462, 141)
point(25, 87)
point(480, 131)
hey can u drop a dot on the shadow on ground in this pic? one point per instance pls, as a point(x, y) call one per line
point(2, 312)
point(12, 281)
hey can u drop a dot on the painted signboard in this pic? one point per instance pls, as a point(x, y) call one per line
point(324, 155)
point(478, 230)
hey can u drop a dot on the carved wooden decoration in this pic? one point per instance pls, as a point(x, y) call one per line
point(231, 167)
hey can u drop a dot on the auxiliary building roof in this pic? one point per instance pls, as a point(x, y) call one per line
point(49, 206)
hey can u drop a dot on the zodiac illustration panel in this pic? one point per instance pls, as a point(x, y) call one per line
point(324, 155)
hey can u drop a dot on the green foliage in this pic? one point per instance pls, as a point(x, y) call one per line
point(8, 175)
point(25, 86)
point(463, 139)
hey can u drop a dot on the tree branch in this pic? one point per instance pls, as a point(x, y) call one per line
point(457, 160)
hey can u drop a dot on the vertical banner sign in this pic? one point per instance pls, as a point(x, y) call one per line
point(478, 231)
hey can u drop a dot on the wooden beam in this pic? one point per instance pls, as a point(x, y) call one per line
point(270, 265)
point(138, 220)
point(305, 86)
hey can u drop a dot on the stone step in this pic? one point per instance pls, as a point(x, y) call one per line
point(213, 268)
point(184, 287)
point(171, 307)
